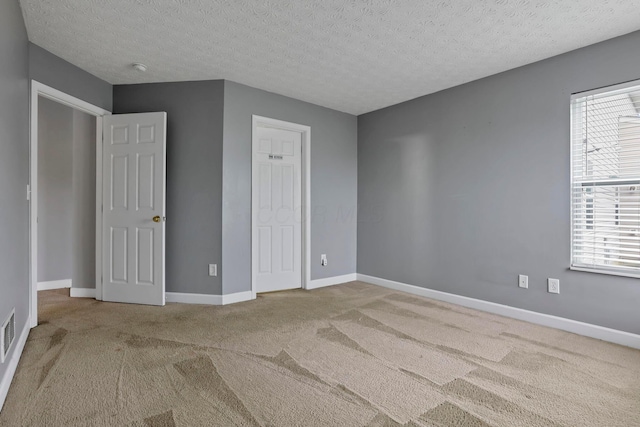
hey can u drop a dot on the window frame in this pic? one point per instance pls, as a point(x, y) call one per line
point(610, 90)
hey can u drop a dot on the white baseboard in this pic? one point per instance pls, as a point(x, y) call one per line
point(5, 383)
point(54, 284)
point(330, 281)
point(209, 299)
point(181, 297)
point(238, 297)
point(193, 298)
point(580, 328)
point(82, 293)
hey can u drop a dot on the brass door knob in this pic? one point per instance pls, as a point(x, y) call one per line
point(156, 218)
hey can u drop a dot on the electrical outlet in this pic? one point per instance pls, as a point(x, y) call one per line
point(323, 260)
point(523, 281)
point(213, 269)
point(553, 286)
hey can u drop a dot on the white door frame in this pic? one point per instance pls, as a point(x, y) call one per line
point(305, 132)
point(39, 89)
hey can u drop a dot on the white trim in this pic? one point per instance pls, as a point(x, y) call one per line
point(306, 192)
point(596, 270)
point(66, 99)
point(99, 148)
point(569, 200)
point(54, 284)
point(193, 298)
point(330, 281)
point(39, 89)
point(621, 87)
point(5, 383)
point(238, 297)
point(82, 293)
point(594, 331)
point(205, 299)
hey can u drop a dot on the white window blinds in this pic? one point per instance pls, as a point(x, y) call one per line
point(605, 181)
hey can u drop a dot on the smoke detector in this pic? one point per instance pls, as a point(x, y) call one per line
point(138, 66)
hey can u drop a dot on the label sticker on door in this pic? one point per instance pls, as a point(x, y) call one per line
point(271, 156)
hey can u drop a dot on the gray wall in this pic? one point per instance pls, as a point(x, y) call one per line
point(194, 175)
point(463, 190)
point(55, 194)
point(14, 168)
point(333, 182)
point(53, 71)
point(84, 201)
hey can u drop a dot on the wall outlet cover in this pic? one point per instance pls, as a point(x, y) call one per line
point(553, 286)
point(213, 269)
point(523, 281)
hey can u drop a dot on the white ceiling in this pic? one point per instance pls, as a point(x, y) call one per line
point(350, 55)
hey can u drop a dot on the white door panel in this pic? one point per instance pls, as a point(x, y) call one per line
point(278, 210)
point(134, 167)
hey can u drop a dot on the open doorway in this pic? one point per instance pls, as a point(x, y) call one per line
point(65, 184)
point(66, 197)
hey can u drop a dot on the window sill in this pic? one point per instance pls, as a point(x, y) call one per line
point(605, 271)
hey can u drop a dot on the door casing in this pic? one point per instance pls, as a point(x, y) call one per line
point(305, 131)
point(39, 89)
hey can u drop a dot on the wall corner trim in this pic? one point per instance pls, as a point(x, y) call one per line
point(330, 281)
point(586, 329)
point(54, 284)
point(82, 293)
point(5, 382)
point(205, 299)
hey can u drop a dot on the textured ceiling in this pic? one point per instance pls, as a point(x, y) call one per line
point(350, 55)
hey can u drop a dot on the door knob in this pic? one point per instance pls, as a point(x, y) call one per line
point(156, 218)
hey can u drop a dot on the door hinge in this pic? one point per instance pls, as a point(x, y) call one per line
point(28, 192)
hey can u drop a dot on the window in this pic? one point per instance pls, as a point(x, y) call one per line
point(605, 180)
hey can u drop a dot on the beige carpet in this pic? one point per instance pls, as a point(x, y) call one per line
point(348, 355)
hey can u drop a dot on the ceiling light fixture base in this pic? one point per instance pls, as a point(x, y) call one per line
point(138, 66)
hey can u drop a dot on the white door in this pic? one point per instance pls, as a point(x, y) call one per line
point(133, 203)
point(277, 209)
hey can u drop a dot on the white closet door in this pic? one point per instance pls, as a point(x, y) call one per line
point(277, 248)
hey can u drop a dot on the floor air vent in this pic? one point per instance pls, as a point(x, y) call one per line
point(8, 335)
